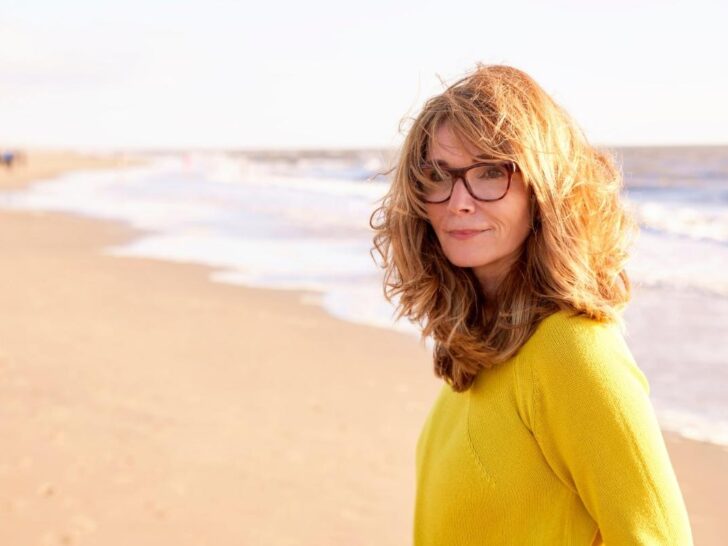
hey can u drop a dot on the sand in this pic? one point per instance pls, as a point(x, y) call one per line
point(144, 404)
point(35, 165)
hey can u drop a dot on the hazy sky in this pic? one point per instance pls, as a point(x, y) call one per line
point(83, 73)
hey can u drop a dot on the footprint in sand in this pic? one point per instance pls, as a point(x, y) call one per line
point(47, 490)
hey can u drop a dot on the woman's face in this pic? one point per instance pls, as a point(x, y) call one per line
point(485, 236)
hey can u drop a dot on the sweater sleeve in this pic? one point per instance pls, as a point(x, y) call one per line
point(592, 418)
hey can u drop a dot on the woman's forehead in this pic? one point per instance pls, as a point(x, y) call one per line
point(446, 143)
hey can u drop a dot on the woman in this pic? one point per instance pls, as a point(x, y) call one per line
point(504, 237)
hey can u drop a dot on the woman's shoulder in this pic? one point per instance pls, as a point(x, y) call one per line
point(567, 347)
point(567, 330)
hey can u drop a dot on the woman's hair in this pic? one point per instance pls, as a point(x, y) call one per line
point(573, 258)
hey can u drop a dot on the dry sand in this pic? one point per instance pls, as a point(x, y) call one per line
point(143, 404)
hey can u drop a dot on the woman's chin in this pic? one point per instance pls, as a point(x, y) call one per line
point(466, 260)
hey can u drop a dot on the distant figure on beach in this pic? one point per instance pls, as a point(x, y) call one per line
point(7, 157)
point(504, 237)
point(10, 158)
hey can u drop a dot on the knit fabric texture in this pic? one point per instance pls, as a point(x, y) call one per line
point(557, 446)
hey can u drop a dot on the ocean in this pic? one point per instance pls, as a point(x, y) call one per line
point(300, 221)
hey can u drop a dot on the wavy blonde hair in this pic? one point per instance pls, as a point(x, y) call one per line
point(573, 258)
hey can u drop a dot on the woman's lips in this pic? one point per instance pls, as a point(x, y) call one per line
point(465, 233)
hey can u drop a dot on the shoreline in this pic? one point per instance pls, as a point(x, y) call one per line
point(139, 391)
point(38, 165)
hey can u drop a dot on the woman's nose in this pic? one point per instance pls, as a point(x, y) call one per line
point(460, 198)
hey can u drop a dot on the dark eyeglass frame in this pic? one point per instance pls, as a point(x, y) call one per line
point(461, 172)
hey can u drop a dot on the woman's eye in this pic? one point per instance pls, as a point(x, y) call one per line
point(491, 172)
point(433, 175)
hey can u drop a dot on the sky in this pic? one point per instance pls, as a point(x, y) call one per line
point(91, 74)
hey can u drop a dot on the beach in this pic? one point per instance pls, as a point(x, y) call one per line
point(143, 403)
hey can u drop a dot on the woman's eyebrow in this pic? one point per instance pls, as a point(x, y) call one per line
point(483, 157)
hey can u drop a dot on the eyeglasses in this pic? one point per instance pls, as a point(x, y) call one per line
point(485, 181)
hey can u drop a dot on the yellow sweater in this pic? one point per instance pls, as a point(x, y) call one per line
point(557, 446)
